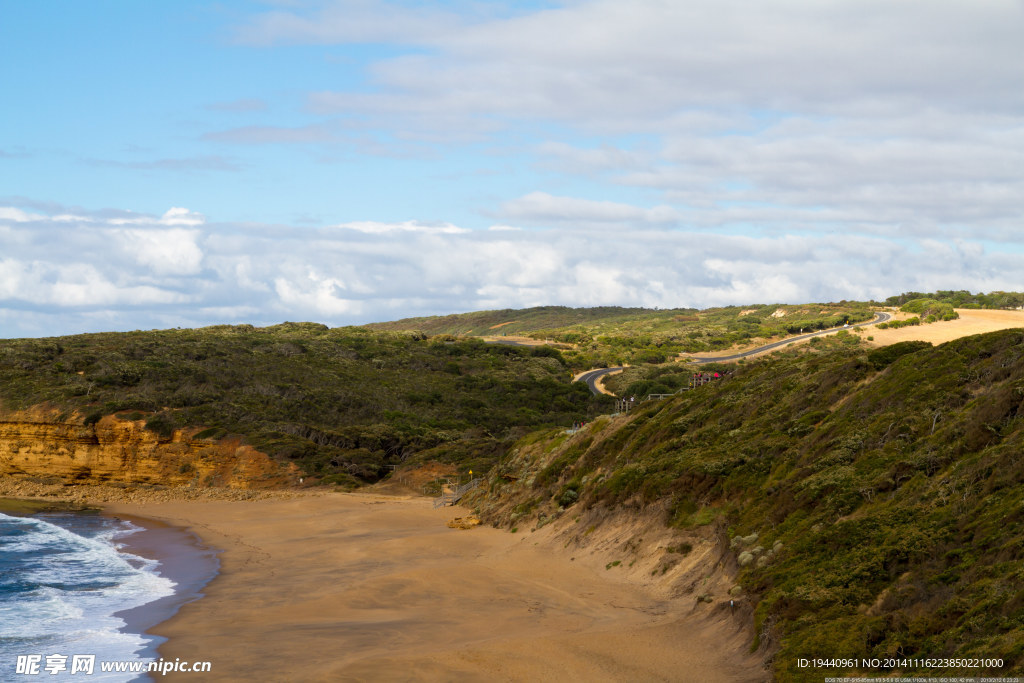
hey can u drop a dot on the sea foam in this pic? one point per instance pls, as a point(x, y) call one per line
point(62, 580)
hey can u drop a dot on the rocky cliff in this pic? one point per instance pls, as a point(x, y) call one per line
point(43, 444)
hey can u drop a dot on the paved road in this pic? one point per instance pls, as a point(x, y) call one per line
point(591, 376)
point(879, 318)
point(507, 342)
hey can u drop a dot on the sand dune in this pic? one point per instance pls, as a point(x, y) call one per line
point(366, 587)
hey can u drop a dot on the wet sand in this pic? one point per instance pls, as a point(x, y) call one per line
point(348, 587)
point(183, 558)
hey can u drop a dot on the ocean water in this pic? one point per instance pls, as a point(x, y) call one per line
point(63, 579)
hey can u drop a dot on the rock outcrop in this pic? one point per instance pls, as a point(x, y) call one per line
point(45, 445)
point(464, 522)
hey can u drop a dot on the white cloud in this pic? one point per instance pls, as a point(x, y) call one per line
point(84, 285)
point(89, 261)
point(174, 216)
point(541, 207)
point(378, 228)
point(70, 218)
point(165, 252)
point(181, 216)
point(613, 62)
point(315, 294)
point(74, 285)
point(12, 276)
point(10, 213)
point(230, 314)
point(607, 157)
point(595, 282)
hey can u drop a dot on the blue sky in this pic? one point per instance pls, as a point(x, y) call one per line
point(194, 163)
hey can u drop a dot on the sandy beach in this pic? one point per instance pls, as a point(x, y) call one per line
point(369, 587)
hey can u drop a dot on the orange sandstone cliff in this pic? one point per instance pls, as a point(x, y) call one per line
point(43, 444)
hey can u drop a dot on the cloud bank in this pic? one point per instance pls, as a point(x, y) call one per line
point(92, 271)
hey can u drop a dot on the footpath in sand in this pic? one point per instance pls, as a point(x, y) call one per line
point(367, 587)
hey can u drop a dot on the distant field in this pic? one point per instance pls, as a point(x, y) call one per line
point(971, 321)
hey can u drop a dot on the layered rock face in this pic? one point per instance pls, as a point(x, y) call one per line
point(43, 444)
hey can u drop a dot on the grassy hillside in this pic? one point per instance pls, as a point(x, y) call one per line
point(342, 403)
point(595, 337)
point(871, 501)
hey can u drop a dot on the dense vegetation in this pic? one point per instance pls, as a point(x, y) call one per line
point(601, 337)
point(930, 310)
point(875, 498)
point(641, 381)
point(963, 299)
point(342, 403)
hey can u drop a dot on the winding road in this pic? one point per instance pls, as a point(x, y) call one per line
point(592, 376)
point(879, 318)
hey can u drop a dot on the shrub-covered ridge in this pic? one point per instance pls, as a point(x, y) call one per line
point(341, 403)
point(605, 336)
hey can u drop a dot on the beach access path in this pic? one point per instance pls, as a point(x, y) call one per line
point(369, 587)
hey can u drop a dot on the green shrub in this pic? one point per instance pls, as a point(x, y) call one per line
point(930, 310)
point(162, 424)
point(568, 497)
point(885, 356)
point(211, 433)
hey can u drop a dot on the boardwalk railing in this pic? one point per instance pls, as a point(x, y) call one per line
point(699, 379)
point(453, 497)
